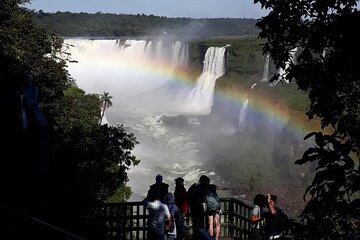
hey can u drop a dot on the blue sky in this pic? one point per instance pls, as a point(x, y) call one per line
point(168, 8)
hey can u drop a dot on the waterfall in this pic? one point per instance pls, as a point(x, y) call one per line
point(201, 97)
point(175, 54)
point(266, 69)
point(184, 57)
point(282, 71)
point(158, 51)
point(242, 115)
point(126, 69)
point(148, 51)
point(134, 48)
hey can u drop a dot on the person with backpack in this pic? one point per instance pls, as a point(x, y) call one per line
point(213, 207)
point(213, 210)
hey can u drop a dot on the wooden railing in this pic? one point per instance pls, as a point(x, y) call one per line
point(235, 221)
point(127, 221)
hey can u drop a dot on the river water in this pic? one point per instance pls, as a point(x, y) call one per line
point(148, 100)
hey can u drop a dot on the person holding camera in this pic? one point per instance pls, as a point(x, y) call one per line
point(272, 225)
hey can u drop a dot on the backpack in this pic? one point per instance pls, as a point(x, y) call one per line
point(212, 200)
point(170, 223)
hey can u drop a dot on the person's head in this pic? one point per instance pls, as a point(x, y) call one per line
point(169, 198)
point(204, 180)
point(260, 200)
point(179, 181)
point(273, 197)
point(158, 178)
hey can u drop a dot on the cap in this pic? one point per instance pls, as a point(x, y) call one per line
point(179, 179)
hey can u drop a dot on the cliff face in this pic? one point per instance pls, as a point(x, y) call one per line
point(255, 132)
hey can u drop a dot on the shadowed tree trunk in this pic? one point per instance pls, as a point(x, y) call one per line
point(106, 103)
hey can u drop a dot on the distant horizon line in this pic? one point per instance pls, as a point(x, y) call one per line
point(133, 14)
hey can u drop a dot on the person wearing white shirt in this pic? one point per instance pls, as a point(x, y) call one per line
point(158, 212)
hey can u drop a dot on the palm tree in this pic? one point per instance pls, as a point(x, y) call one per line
point(105, 100)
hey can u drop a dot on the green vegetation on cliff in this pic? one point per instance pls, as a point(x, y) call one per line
point(245, 67)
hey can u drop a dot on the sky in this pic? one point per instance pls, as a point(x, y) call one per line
point(167, 8)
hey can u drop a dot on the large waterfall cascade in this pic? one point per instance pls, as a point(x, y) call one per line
point(128, 64)
point(127, 70)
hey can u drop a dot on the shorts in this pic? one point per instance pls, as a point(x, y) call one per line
point(214, 212)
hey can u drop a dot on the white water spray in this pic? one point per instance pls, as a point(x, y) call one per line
point(242, 115)
point(128, 71)
point(282, 71)
point(201, 98)
point(266, 69)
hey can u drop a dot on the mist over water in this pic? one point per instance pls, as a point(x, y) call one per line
point(137, 74)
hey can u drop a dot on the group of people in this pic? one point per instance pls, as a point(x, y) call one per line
point(161, 205)
point(200, 201)
point(268, 221)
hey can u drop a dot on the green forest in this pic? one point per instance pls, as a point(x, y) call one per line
point(69, 24)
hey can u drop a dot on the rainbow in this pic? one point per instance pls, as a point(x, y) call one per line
point(258, 102)
point(273, 109)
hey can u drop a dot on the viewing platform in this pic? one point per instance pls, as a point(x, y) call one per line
point(128, 220)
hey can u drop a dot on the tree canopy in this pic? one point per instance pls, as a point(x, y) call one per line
point(55, 154)
point(327, 68)
point(123, 25)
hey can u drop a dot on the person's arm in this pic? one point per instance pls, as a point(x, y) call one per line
point(255, 217)
point(167, 212)
point(271, 205)
point(224, 188)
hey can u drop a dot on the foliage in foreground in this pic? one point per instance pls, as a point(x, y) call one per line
point(67, 158)
point(326, 67)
